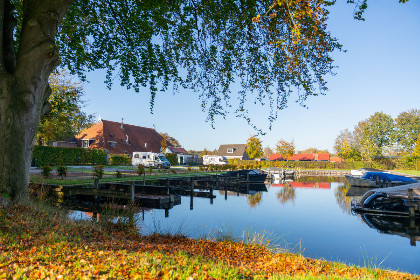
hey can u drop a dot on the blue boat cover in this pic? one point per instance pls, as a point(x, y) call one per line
point(387, 176)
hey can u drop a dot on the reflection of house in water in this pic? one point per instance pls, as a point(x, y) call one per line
point(408, 227)
point(308, 185)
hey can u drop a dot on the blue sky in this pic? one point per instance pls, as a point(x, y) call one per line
point(379, 72)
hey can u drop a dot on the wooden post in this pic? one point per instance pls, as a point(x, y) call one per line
point(211, 193)
point(133, 191)
point(411, 208)
point(192, 195)
point(96, 183)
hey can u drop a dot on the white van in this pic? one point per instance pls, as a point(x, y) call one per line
point(147, 159)
point(211, 159)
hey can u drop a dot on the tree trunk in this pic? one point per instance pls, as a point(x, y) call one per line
point(24, 86)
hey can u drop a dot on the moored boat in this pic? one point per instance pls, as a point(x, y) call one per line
point(399, 200)
point(250, 175)
point(378, 180)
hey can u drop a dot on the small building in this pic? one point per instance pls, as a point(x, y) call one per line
point(120, 138)
point(302, 157)
point(184, 158)
point(276, 157)
point(336, 159)
point(322, 157)
point(311, 157)
point(233, 151)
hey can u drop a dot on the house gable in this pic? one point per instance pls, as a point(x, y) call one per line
point(120, 138)
point(233, 151)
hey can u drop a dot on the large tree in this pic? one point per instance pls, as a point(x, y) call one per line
point(202, 45)
point(374, 135)
point(66, 118)
point(254, 147)
point(285, 148)
point(407, 129)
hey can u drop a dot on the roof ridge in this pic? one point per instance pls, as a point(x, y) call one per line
point(128, 124)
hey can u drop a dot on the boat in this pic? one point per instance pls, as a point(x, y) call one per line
point(400, 200)
point(360, 172)
point(378, 180)
point(250, 175)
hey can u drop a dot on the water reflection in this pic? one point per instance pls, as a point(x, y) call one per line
point(342, 199)
point(254, 199)
point(408, 227)
point(287, 193)
point(313, 210)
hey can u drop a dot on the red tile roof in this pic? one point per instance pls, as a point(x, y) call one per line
point(112, 137)
point(336, 159)
point(276, 157)
point(178, 150)
point(302, 157)
point(324, 156)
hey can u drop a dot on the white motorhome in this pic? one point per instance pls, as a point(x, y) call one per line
point(210, 159)
point(147, 159)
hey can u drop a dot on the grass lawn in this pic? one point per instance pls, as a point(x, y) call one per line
point(38, 242)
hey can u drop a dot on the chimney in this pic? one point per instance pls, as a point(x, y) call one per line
point(145, 145)
point(126, 141)
point(122, 123)
point(154, 127)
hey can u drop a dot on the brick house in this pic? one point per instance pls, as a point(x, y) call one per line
point(120, 138)
point(233, 151)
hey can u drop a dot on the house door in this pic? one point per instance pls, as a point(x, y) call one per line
point(181, 160)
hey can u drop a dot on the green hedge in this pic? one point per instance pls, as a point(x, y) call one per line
point(407, 163)
point(120, 160)
point(53, 156)
point(173, 158)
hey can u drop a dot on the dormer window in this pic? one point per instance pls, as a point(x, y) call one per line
point(85, 143)
point(230, 150)
point(112, 143)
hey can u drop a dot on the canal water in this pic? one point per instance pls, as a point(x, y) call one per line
point(311, 216)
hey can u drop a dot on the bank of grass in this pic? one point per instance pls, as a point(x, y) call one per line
point(37, 242)
point(410, 172)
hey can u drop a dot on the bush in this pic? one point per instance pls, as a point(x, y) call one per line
point(46, 171)
point(150, 169)
point(120, 160)
point(55, 156)
point(62, 171)
point(172, 158)
point(118, 174)
point(140, 169)
point(98, 171)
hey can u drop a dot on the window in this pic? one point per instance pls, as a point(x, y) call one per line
point(144, 157)
point(85, 143)
point(112, 143)
point(230, 150)
point(136, 156)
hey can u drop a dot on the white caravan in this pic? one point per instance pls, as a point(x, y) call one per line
point(210, 159)
point(147, 159)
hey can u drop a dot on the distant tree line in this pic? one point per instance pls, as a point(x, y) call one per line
point(381, 136)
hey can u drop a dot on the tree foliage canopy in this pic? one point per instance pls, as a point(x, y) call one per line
point(66, 118)
point(380, 135)
point(203, 45)
point(254, 147)
point(285, 148)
